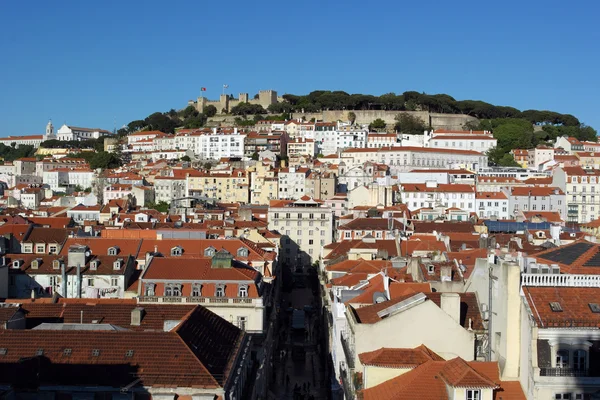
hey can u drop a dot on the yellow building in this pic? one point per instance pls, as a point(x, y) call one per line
point(229, 186)
point(264, 184)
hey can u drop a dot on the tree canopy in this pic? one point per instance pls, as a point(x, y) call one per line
point(409, 124)
point(11, 153)
point(377, 125)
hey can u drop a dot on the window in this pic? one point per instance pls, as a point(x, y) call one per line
point(52, 249)
point(112, 251)
point(473, 394)
point(579, 360)
point(129, 353)
point(95, 352)
point(176, 251)
point(242, 252)
point(243, 291)
point(90, 282)
point(114, 281)
point(196, 290)
point(117, 264)
point(562, 359)
point(209, 252)
point(562, 396)
point(220, 291)
point(40, 248)
point(310, 241)
point(241, 322)
point(149, 289)
point(67, 352)
point(168, 291)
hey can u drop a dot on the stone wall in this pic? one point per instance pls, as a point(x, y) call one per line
point(437, 121)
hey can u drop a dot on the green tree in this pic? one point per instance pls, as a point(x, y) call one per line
point(161, 206)
point(104, 160)
point(409, 124)
point(377, 125)
point(210, 111)
point(248, 109)
point(185, 158)
point(351, 117)
point(254, 156)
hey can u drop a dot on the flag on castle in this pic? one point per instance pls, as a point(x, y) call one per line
point(203, 89)
point(225, 86)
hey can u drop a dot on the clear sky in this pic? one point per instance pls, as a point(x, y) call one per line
point(94, 63)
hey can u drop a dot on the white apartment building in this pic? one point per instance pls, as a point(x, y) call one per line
point(402, 159)
point(582, 192)
point(168, 154)
point(141, 136)
point(480, 143)
point(536, 198)
point(298, 129)
point(492, 204)
point(433, 195)
point(538, 156)
point(292, 182)
point(570, 144)
point(115, 191)
point(378, 140)
point(60, 179)
point(67, 132)
point(301, 146)
point(29, 140)
point(306, 225)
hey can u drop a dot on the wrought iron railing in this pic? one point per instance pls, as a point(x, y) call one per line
point(566, 372)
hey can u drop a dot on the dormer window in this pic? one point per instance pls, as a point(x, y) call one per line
point(209, 252)
point(35, 264)
point(196, 290)
point(243, 291)
point(430, 269)
point(149, 289)
point(220, 290)
point(56, 264)
point(176, 251)
point(113, 251)
point(94, 265)
point(473, 394)
point(173, 290)
point(16, 263)
point(117, 264)
point(242, 252)
point(40, 248)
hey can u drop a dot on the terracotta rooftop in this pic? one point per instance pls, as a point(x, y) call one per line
point(575, 306)
point(579, 257)
point(399, 358)
point(200, 353)
point(469, 309)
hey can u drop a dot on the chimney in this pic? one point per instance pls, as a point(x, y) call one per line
point(136, 316)
point(64, 279)
point(450, 304)
point(446, 273)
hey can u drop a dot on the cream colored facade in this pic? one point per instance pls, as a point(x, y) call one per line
point(320, 186)
point(264, 185)
point(306, 226)
point(582, 193)
point(424, 323)
point(226, 186)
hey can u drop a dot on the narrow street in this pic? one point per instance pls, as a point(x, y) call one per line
point(298, 363)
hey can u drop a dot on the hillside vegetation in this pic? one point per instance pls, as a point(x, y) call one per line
point(512, 127)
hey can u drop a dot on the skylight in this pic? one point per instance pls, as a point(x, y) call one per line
point(555, 306)
point(595, 307)
point(67, 352)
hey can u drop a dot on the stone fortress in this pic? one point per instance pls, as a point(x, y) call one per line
point(225, 103)
point(268, 97)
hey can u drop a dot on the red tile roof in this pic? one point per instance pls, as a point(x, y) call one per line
point(574, 301)
point(399, 358)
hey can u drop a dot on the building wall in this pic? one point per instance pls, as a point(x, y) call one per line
point(425, 324)
point(373, 376)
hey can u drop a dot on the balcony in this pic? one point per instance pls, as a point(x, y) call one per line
point(565, 372)
point(208, 301)
point(348, 352)
point(563, 280)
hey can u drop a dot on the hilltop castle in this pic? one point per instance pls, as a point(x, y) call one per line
point(225, 103)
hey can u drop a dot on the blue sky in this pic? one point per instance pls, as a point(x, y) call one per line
point(93, 63)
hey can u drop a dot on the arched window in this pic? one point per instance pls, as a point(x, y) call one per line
point(209, 252)
point(242, 252)
point(112, 251)
point(579, 360)
point(176, 251)
point(562, 359)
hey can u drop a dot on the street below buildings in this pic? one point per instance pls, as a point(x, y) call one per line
point(298, 362)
